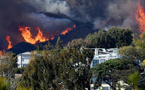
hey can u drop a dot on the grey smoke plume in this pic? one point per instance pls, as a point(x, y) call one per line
point(53, 6)
point(119, 13)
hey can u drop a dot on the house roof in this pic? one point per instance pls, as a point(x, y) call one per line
point(24, 53)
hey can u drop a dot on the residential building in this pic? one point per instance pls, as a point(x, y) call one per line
point(23, 59)
point(101, 55)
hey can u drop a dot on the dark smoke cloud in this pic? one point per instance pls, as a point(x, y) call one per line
point(105, 14)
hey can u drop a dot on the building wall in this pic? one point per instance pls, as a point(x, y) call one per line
point(100, 58)
point(23, 59)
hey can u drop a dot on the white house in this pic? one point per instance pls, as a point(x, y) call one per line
point(23, 59)
point(101, 55)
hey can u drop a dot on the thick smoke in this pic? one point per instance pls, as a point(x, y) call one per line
point(119, 13)
point(27, 13)
point(48, 23)
point(53, 6)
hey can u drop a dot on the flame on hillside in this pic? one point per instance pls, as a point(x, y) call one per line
point(140, 17)
point(9, 41)
point(67, 30)
point(27, 35)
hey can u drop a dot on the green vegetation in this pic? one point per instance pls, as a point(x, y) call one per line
point(8, 67)
point(134, 80)
point(44, 71)
point(112, 71)
point(2, 83)
point(40, 73)
point(74, 69)
point(59, 45)
point(48, 46)
point(114, 37)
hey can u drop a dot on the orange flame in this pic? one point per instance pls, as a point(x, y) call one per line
point(1, 53)
point(9, 41)
point(140, 36)
point(140, 17)
point(28, 36)
point(67, 30)
point(74, 26)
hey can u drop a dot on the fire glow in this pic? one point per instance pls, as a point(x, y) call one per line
point(140, 17)
point(9, 41)
point(27, 35)
point(1, 53)
point(67, 30)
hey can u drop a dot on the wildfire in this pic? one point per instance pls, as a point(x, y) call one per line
point(140, 17)
point(67, 30)
point(1, 53)
point(9, 41)
point(28, 36)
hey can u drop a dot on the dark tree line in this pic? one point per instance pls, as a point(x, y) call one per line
point(114, 37)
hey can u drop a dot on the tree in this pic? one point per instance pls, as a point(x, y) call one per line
point(8, 65)
point(59, 45)
point(115, 70)
point(97, 39)
point(139, 41)
point(74, 69)
point(41, 72)
point(40, 47)
point(2, 83)
point(137, 53)
point(76, 43)
point(48, 46)
point(134, 78)
point(114, 37)
point(122, 36)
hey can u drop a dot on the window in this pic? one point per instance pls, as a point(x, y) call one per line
point(103, 82)
point(24, 65)
point(105, 88)
point(102, 60)
point(95, 63)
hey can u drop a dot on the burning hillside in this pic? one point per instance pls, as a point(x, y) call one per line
point(20, 18)
point(9, 41)
point(27, 35)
